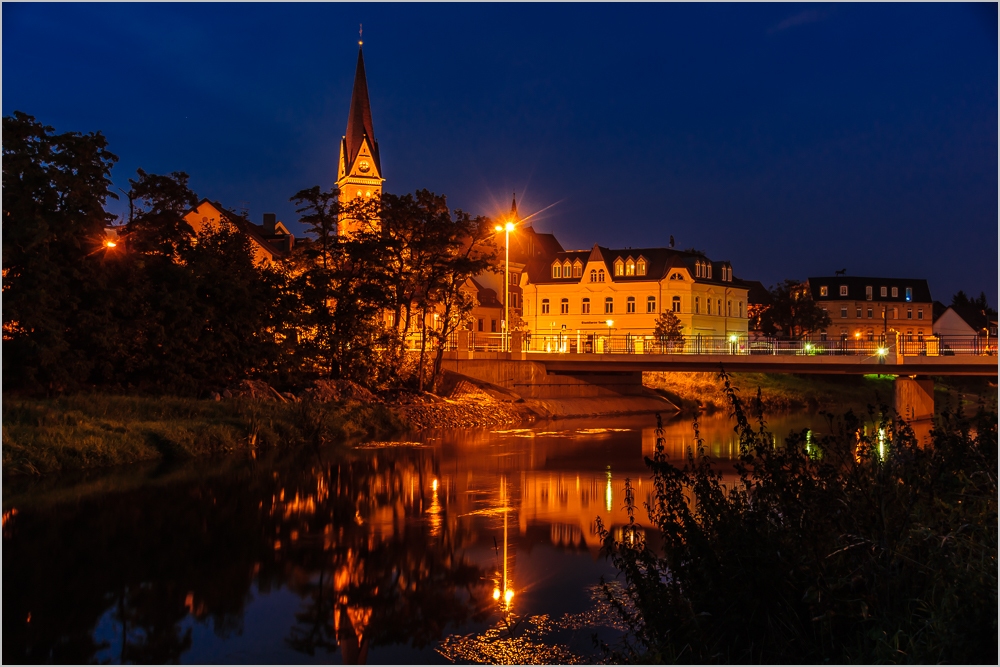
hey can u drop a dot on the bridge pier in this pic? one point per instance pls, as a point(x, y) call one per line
point(913, 397)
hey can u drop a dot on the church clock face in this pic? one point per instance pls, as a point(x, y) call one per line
point(364, 167)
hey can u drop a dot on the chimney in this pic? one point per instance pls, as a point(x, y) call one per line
point(269, 224)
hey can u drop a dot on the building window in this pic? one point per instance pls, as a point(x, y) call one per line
point(577, 271)
point(513, 300)
point(709, 267)
point(739, 312)
point(479, 324)
point(883, 291)
point(619, 268)
point(708, 306)
point(609, 305)
point(545, 306)
point(843, 312)
point(920, 335)
point(593, 275)
point(909, 313)
point(895, 292)
point(650, 304)
point(630, 305)
point(823, 291)
point(895, 313)
point(843, 290)
point(675, 304)
point(920, 313)
point(729, 308)
point(556, 271)
point(641, 267)
point(718, 306)
point(909, 294)
point(493, 326)
point(585, 307)
point(859, 312)
point(871, 335)
point(630, 268)
point(600, 275)
point(513, 277)
point(909, 335)
point(868, 292)
point(697, 269)
point(871, 314)
point(567, 269)
point(697, 306)
point(564, 307)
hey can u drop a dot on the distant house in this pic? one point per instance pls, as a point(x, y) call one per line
point(271, 239)
point(863, 308)
point(963, 321)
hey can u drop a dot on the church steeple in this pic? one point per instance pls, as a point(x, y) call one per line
point(359, 119)
point(360, 170)
point(513, 207)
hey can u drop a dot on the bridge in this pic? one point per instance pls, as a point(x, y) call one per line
point(609, 368)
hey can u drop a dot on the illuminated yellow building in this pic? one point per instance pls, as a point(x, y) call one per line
point(270, 240)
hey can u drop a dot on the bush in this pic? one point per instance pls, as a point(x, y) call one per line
point(859, 546)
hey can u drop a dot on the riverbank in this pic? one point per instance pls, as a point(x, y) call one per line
point(780, 393)
point(96, 430)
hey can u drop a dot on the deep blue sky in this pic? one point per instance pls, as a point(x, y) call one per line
point(793, 140)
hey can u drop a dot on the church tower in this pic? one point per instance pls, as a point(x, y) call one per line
point(360, 169)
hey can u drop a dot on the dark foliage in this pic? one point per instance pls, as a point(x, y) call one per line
point(791, 312)
point(859, 546)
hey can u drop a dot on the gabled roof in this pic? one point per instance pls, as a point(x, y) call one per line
point(255, 232)
point(976, 319)
point(359, 119)
point(856, 288)
point(660, 261)
point(486, 296)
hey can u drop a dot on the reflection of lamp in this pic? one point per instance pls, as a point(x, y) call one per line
point(503, 590)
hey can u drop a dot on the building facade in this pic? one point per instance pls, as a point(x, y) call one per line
point(865, 308)
point(271, 240)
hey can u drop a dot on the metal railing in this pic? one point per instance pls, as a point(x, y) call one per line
point(598, 343)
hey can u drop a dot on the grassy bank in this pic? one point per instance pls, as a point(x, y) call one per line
point(787, 392)
point(95, 430)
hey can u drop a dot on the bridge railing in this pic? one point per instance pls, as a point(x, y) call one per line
point(572, 343)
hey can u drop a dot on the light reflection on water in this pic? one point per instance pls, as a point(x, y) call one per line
point(389, 552)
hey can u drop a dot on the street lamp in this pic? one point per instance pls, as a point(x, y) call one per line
point(609, 323)
point(506, 229)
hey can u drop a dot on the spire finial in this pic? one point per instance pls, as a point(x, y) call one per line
point(360, 28)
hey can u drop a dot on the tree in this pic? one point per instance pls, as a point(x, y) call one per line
point(979, 305)
point(792, 312)
point(157, 206)
point(54, 190)
point(668, 330)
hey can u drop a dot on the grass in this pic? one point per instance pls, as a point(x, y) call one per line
point(96, 430)
point(779, 392)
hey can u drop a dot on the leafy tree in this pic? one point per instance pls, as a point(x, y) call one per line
point(668, 329)
point(158, 205)
point(792, 312)
point(980, 305)
point(860, 546)
point(54, 190)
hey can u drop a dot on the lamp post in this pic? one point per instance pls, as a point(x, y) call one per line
point(505, 334)
point(609, 323)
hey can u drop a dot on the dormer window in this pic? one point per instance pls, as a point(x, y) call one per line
point(824, 290)
point(567, 269)
point(640, 267)
point(709, 267)
point(697, 269)
point(557, 270)
point(895, 292)
point(619, 267)
point(577, 269)
point(883, 291)
point(630, 267)
point(843, 290)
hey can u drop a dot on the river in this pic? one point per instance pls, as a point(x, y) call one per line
point(402, 552)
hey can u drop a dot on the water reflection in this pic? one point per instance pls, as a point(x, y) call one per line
point(388, 552)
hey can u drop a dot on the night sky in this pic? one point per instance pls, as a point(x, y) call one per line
point(792, 140)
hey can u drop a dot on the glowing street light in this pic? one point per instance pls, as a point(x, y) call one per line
point(110, 244)
point(506, 229)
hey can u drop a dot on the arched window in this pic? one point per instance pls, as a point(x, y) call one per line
point(563, 306)
point(640, 267)
point(556, 270)
point(650, 304)
point(585, 306)
point(675, 304)
point(545, 306)
point(593, 275)
point(600, 275)
point(619, 267)
point(630, 305)
point(609, 304)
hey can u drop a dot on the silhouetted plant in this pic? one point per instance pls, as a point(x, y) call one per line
point(860, 545)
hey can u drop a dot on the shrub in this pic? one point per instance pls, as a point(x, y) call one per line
point(858, 546)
